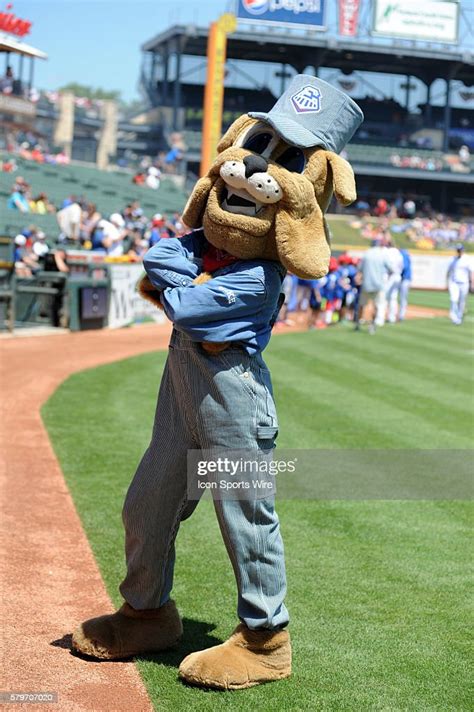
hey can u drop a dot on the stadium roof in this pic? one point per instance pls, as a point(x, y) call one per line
point(317, 49)
point(9, 44)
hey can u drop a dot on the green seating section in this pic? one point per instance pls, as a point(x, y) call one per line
point(110, 191)
point(381, 155)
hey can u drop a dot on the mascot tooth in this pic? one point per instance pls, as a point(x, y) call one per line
point(257, 213)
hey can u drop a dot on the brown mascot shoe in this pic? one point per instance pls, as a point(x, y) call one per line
point(248, 658)
point(129, 632)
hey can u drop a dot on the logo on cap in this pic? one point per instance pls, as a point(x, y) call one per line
point(307, 100)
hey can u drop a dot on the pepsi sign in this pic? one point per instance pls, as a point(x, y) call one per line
point(285, 13)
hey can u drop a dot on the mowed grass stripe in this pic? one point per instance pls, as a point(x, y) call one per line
point(415, 361)
point(332, 427)
point(387, 405)
point(442, 341)
point(384, 348)
point(394, 383)
point(376, 425)
point(413, 364)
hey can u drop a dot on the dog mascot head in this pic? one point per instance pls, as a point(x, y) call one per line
point(274, 177)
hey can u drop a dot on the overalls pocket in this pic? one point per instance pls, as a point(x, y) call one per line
point(267, 421)
point(238, 363)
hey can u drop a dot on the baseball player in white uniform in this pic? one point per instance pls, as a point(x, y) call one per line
point(395, 259)
point(459, 282)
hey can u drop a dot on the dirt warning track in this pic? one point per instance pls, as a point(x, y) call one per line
point(49, 578)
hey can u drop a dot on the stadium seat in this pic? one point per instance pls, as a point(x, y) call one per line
point(7, 282)
point(111, 191)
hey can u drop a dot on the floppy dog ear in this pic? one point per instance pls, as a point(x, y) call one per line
point(194, 208)
point(300, 232)
point(343, 179)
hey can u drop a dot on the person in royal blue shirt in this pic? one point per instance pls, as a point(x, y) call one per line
point(332, 291)
point(405, 284)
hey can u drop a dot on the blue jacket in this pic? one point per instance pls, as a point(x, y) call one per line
point(240, 303)
point(406, 272)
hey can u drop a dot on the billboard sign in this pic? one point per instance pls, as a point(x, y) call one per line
point(425, 20)
point(307, 14)
point(348, 17)
point(14, 25)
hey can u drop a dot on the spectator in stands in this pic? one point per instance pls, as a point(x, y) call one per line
point(109, 235)
point(41, 205)
point(382, 207)
point(61, 159)
point(18, 199)
point(37, 155)
point(69, 221)
point(374, 269)
point(6, 82)
point(134, 217)
point(40, 246)
point(153, 178)
point(139, 246)
point(465, 155)
point(157, 229)
point(409, 208)
point(9, 165)
point(68, 201)
point(178, 225)
point(175, 154)
point(26, 262)
point(89, 221)
point(139, 178)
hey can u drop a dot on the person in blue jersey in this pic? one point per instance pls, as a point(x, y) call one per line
point(347, 273)
point(315, 302)
point(405, 284)
point(332, 291)
point(257, 213)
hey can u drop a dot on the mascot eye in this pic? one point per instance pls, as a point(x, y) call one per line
point(258, 142)
point(293, 160)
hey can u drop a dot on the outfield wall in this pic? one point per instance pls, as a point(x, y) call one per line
point(429, 270)
point(126, 306)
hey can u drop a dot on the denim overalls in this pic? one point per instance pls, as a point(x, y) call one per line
point(209, 401)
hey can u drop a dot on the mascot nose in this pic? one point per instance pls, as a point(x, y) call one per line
point(254, 164)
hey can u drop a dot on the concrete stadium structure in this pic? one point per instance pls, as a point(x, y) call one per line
point(172, 81)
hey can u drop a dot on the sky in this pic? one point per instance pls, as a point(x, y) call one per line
point(97, 42)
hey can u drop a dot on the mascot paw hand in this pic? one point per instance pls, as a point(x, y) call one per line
point(147, 291)
point(214, 348)
point(202, 278)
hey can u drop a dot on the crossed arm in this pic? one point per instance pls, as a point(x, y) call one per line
point(218, 310)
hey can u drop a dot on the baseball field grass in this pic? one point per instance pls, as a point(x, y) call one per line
point(378, 590)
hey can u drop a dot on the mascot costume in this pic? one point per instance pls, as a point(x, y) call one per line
point(256, 214)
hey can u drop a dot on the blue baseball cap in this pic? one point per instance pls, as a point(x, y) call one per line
point(311, 112)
